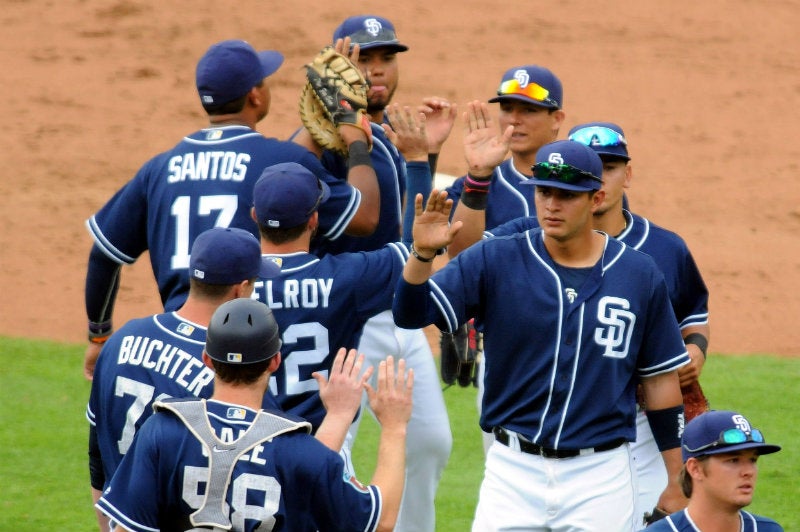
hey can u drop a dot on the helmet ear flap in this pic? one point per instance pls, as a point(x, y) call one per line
point(243, 331)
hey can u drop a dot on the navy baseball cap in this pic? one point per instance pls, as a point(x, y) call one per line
point(369, 31)
point(228, 255)
point(722, 431)
point(229, 69)
point(242, 331)
point(287, 194)
point(567, 165)
point(605, 138)
point(531, 84)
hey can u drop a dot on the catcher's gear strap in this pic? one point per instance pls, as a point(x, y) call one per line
point(193, 414)
point(667, 426)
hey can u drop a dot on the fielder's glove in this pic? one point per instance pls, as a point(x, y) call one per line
point(460, 353)
point(694, 401)
point(335, 95)
point(656, 515)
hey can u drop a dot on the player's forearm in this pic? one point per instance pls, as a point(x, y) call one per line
point(333, 431)
point(409, 307)
point(361, 175)
point(102, 283)
point(418, 181)
point(389, 474)
point(474, 223)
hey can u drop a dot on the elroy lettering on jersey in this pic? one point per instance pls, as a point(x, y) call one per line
point(294, 293)
point(168, 360)
point(208, 165)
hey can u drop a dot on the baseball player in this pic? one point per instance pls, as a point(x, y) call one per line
point(206, 180)
point(572, 321)
point(159, 356)
point(320, 303)
point(687, 290)
point(225, 463)
point(720, 450)
point(405, 147)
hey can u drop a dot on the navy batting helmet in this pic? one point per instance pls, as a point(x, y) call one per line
point(242, 331)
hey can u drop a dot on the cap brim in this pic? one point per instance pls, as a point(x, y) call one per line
point(523, 99)
point(762, 448)
point(271, 61)
point(558, 184)
point(609, 153)
point(394, 46)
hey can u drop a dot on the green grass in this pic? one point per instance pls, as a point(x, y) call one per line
point(43, 435)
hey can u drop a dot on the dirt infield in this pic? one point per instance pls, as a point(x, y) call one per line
point(706, 91)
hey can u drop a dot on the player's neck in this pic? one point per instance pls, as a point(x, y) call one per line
point(611, 222)
point(250, 395)
point(710, 517)
point(235, 119)
point(580, 251)
point(197, 310)
point(523, 162)
point(301, 245)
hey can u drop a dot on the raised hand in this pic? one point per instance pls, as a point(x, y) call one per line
point(484, 148)
point(408, 132)
point(440, 116)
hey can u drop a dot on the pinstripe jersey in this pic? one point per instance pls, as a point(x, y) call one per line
point(687, 290)
point(321, 305)
point(291, 482)
point(204, 181)
point(681, 522)
point(560, 371)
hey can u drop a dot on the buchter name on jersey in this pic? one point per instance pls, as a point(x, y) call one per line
point(296, 293)
point(208, 165)
point(168, 360)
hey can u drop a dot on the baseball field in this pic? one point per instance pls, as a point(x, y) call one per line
point(707, 93)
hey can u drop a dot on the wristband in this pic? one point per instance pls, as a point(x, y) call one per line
point(475, 200)
point(99, 332)
point(477, 184)
point(425, 259)
point(667, 426)
point(699, 340)
point(358, 154)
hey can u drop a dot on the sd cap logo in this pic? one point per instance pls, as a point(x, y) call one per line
point(373, 26)
point(522, 77)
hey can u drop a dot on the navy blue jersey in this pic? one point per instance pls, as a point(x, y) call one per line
point(508, 199)
point(687, 290)
point(146, 360)
point(321, 305)
point(562, 364)
point(205, 181)
point(681, 522)
point(291, 482)
point(390, 167)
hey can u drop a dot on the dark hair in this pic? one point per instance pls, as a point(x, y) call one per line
point(240, 373)
point(213, 292)
point(685, 479)
point(229, 108)
point(276, 235)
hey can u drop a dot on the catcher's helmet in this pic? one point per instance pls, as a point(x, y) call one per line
point(242, 331)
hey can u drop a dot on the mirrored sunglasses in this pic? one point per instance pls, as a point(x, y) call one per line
point(563, 173)
point(730, 437)
point(533, 91)
point(598, 136)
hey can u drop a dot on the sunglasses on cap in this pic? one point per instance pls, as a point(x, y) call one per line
point(730, 437)
point(564, 173)
point(512, 87)
point(598, 136)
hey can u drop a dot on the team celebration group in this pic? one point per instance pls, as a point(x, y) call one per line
point(297, 280)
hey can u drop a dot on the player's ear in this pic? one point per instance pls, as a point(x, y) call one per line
point(274, 363)
point(558, 118)
point(628, 176)
point(597, 199)
point(253, 214)
point(207, 360)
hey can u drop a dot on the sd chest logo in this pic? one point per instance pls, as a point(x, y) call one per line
point(616, 336)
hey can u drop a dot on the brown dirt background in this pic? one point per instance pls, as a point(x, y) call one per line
point(706, 91)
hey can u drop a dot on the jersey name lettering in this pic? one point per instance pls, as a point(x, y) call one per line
point(616, 338)
point(167, 360)
point(303, 293)
point(208, 165)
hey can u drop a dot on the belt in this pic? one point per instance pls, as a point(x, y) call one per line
point(505, 437)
